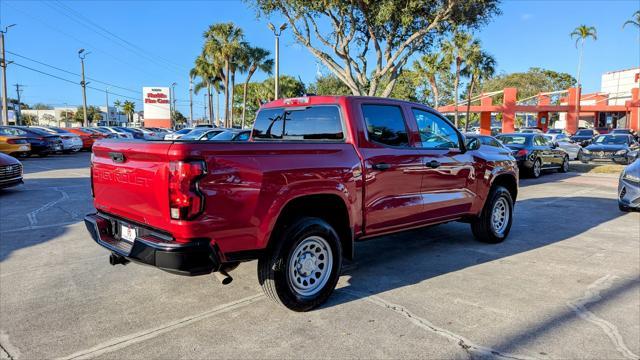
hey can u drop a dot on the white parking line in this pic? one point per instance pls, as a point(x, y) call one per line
point(32, 216)
point(122, 342)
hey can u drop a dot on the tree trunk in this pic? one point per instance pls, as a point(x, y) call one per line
point(218, 108)
point(231, 91)
point(466, 125)
point(434, 88)
point(210, 104)
point(455, 90)
point(226, 91)
point(244, 96)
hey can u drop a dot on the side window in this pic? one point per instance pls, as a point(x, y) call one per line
point(539, 141)
point(435, 132)
point(561, 136)
point(315, 123)
point(494, 143)
point(244, 136)
point(385, 124)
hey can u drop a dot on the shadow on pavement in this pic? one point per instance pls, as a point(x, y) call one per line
point(411, 257)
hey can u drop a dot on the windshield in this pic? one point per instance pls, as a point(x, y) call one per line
point(611, 140)
point(512, 139)
point(584, 132)
point(184, 131)
point(195, 134)
point(620, 131)
point(40, 132)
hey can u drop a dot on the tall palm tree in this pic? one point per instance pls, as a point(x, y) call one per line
point(210, 77)
point(479, 67)
point(428, 68)
point(223, 42)
point(256, 59)
point(117, 104)
point(456, 51)
point(129, 107)
point(581, 34)
point(635, 20)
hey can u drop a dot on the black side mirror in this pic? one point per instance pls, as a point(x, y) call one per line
point(473, 144)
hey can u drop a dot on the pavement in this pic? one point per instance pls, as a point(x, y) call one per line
point(565, 284)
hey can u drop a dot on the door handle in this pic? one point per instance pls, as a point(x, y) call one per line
point(434, 164)
point(381, 166)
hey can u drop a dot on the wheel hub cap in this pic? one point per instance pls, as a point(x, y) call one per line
point(310, 266)
point(500, 216)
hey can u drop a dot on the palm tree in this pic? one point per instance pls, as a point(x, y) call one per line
point(635, 20)
point(117, 104)
point(129, 108)
point(581, 33)
point(479, 67)
point(210, 77)
point(223, 42)
point(456, 50)
point(428, 68)
point(256, 59)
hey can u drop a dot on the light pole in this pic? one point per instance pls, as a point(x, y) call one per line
point(172, 104)
point(277, 33)
point(108, 118)
point(3, 64)
point(82, 55)
point(190, 101)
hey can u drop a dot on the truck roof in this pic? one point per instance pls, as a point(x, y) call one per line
point(328, 99)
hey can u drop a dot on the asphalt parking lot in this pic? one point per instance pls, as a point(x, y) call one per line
point(566, 284)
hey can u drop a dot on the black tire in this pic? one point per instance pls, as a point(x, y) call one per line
point(579, 156)
point(274, 267)
point(564, 167)
point(533, 172)
point(623, 208)
point(482, 226)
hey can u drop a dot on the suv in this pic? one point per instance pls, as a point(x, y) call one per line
point(317, 174)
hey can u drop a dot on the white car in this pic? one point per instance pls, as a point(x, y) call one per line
point(150, 134)
point(118, 133)
point(565, 143)
point(70, 141)
point(178, 134)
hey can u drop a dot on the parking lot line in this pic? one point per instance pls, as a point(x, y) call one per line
point(122, 342)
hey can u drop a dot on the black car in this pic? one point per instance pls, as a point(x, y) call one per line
point(584, 136)
point(137, 134)
point(625, 132)
point(42, 142)
point(621, 149)
point(535, 153)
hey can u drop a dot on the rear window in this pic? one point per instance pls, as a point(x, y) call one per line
point(512, 139)
point(317, 123)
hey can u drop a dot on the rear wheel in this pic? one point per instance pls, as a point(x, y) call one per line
point(565, 165)
point(494, 223)
point(536, 169)
point(623, 208)
point(302, 268)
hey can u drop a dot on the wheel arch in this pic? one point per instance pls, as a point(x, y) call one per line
point(508, 181)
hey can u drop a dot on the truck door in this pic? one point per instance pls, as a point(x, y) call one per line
point(448, 174)
point(393, 169)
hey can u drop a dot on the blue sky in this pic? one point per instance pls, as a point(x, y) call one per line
point(167, 36)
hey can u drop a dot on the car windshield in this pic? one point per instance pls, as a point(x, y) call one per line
point(584, 132)
point(39, 132)
point(183, 131)
point(512, 139)
point(611, 140)
point(195, 134)
point(620, 131)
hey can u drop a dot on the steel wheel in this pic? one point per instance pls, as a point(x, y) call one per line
point(500, 216)
point(310, 266)
point(537, 168)
point(565, 164)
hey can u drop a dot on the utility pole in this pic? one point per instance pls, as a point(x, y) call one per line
point(190, 101)
point(108, 118)
point(19, 112)
point(172, 104)
point(3, 64)
point(277, 33)
point(82, 55)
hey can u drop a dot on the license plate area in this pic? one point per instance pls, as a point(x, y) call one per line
point(128, 233)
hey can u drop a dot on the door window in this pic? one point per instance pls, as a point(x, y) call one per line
point(385, 125)
point(435, 132)
point(539, 141)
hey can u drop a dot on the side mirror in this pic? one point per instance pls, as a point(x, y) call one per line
point(473, 144)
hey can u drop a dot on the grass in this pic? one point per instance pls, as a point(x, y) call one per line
point(597, 168)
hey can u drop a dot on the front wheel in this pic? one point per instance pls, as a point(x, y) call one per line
point(565, 165)
point(302, 268)
point(494, 223)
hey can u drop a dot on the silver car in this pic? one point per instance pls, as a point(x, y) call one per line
point(565, 143)
point(629, 187)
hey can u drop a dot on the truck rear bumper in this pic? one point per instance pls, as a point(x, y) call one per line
point(193, 258)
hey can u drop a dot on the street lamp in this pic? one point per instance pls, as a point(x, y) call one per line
point(172, 104)
point(277, 72)
point(3, 65)
point(82, 54)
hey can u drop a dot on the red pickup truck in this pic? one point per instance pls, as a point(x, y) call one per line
point(318, 174)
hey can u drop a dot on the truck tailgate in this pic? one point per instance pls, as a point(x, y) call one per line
point(130, 179)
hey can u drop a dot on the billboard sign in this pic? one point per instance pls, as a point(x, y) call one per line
point(157, 105)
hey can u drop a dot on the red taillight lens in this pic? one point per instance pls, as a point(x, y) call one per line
point(185, 200)
point(522, 152)
point(12, 141)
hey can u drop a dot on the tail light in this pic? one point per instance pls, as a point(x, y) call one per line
point(522, 152)
point(16, 141)
point(185, 200)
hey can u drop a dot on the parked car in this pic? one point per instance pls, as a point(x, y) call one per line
point(10, 171)
point(205, 126)
point(530, 130)
point(487, 143)
point(104, 132)
point(42, 142)
point(201, 133)
point(117, 133)
point(178, 134)
point(603, 130)
point(556, 131)
point(135, 133)
point(14, 145)
point(583, 137)
point(231, 135)
point(70, 142)
point(158, 133)
point(534, 153)
point(495, 130)
point(148, 134)
point(629, 187)
point(625, 132)
point(319, 173)
point(565, 143)
point(87, 137)
point(621, 149)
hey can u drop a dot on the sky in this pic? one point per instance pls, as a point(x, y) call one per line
point(154, 43)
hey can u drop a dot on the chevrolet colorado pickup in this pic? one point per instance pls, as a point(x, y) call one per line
point(318, 174)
